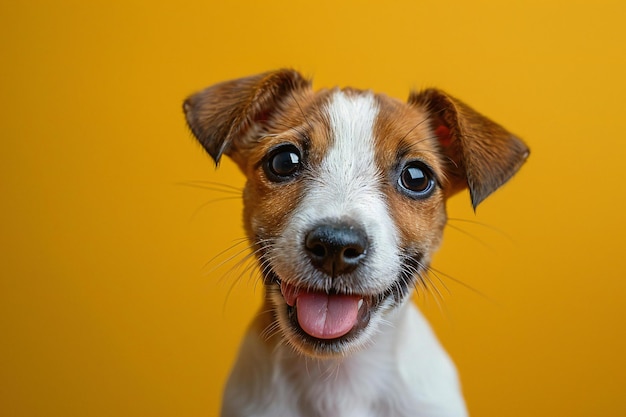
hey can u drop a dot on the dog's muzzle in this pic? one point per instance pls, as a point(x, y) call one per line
point(335, 249)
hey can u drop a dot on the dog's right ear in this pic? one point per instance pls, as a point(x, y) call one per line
point(224, 116)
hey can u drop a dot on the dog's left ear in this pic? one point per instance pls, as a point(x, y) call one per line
point(482, 153)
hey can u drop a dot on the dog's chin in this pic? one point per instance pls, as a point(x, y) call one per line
point(350, 333)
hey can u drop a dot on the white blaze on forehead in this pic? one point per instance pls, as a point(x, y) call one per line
point(350, 159)
point(348, 173)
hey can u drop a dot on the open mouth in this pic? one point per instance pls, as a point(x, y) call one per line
point(324, 315)
point(327, 322)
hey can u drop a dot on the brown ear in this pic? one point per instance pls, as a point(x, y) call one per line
point(483, 154)
point(222, 117)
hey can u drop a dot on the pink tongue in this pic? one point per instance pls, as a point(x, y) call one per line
point(327, 316)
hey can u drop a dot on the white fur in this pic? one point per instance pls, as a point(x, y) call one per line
point(406, 373)
point(397, 367)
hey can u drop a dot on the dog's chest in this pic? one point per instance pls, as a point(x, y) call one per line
point(365, 386)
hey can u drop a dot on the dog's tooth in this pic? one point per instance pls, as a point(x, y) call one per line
point(360, 304)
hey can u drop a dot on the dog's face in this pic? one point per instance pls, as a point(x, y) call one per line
point(345, 198)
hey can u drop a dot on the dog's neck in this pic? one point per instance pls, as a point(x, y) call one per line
point(379, 379)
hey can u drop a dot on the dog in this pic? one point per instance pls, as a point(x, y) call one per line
point(344, 206)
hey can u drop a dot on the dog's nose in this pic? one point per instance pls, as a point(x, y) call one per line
point(336, 249)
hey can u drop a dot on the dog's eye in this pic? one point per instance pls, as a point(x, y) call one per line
point(417, 179)
point(283, 163)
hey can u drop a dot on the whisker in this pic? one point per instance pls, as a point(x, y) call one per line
point(426, 283)
point(271, 330)
point(468, 234)
point(282, 345)
point(248, 258)
point(234, 192)
point(463, 284)
point(216, 200)
point(211, 186)
point(485, 225)
point(427, 278)
point(202, 206)
point(251, 268)
point(437, 296)
point(236, 243)
point(234, 283)
point(208, 182)
point(215, 189)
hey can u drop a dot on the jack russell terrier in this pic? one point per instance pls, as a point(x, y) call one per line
point(344, 206)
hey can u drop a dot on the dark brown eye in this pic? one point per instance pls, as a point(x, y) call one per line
point(283, 163)
point(417, 179)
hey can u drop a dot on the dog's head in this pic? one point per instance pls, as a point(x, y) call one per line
point(345, 195)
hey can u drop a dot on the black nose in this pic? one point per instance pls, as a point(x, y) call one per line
point(336, 249)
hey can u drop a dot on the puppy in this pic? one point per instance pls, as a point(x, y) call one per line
point(344, 207)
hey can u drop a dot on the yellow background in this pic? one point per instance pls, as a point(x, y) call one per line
point(107, 307)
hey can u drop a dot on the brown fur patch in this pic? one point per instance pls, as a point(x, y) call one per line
point(303, 123)
point(403, 134)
